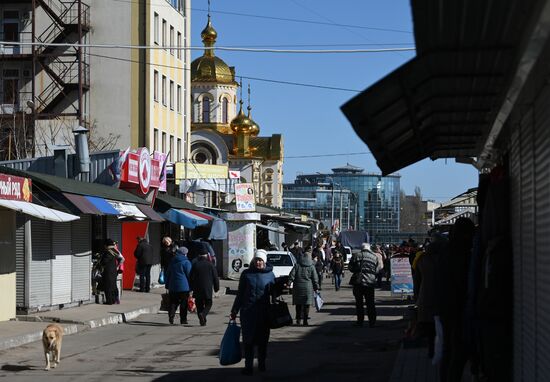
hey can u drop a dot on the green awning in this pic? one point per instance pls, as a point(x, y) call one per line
point(67, 185)
point(164, 202)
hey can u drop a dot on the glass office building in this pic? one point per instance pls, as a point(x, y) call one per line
point(367, 201)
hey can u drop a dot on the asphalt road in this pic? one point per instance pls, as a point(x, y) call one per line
point(149, 349)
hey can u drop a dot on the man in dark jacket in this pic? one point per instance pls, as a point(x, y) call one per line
point(145, 259)
point(365, 267)
point(204, 278)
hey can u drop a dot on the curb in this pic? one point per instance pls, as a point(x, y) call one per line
point(73, 327)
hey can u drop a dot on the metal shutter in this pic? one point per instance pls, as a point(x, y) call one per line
point(81, 247)
point(20, 278)
point(39, 276)
point(541, 213)
point(61, 263)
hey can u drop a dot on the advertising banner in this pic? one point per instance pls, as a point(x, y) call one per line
point(15, 188)
point(244, 196)
point(241, 242)
point(161, 158)
point(401, 276)
point(200, 171)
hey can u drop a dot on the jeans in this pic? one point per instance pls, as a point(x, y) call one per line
point(178, 299)
point(337, 280)
point(145, 278)
point(365, 293)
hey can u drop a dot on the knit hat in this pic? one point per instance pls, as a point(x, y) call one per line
point(182, 251)
point(262, 254)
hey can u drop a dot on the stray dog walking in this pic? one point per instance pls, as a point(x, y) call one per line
point(52, 338)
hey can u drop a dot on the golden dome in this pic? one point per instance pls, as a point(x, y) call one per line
point(241, 124)
point(209, 34)
point(254, 128)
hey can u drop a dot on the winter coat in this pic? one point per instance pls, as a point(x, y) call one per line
point(166, 255)
point(337, 265)
point(305, 279)
point(364, 266)
point(144, 253)
point(176, 276)
point(253, 298)
point(204, 278)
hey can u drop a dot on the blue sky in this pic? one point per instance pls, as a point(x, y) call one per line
point(310, 118)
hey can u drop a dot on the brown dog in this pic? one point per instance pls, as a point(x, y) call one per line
point(52, 338)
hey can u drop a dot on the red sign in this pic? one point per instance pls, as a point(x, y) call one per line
point(141, 170)
point(15, 188)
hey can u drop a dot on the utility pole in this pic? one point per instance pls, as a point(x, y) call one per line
point(332, 206)
point(341, 216)
point(349, 207)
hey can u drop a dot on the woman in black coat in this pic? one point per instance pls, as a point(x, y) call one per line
point(204, 279)
point(110, 262)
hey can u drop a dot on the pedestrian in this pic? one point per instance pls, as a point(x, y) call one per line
point(110, 262)
point(145, 260)
point(204, 279)
point(319, 266)
point(305, 281)
point(380, 257)
point(364, 267)
point(337, 268)
point(177, 283)
point(256, 286)
point(167, 250)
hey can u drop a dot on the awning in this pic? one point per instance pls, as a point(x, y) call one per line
point(220, 185)
point(150, 213)
point(38, 211)
point(200, 215)
point(127, 209)
point(102, 205)
point(270, 228)
point(82, 204)
point(164, 202)
point(298, 225)
point(184, 218)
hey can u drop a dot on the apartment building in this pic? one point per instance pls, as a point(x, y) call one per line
point(126, 97)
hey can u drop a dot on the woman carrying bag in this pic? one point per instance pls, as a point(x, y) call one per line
point(253, 298)
point(306, 281)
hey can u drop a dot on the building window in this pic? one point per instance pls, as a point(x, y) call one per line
point(164, 90)
point(156, 27)
point(178, 99)
point(171, 95)
point(225, 107)
point(156, 140)
point(179, 149)
point(156, 86)
point(171, 40)
point(172, 153)
point(164, 33)
point(178, 53)
point(163, 142)
point(206, 110)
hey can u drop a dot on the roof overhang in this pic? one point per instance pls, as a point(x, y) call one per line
point(473, 58)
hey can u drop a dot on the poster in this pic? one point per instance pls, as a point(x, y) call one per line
point(241, 242)
point(244, 196)
point(401, 276)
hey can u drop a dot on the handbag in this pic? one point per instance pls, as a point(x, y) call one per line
point(278, 314)
point(164, 302)
point(161, 277)
point(230, 348)
point(318, 301)
point(191, 305)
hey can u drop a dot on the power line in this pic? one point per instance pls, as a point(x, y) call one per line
point(326, 155)
point(275, 18)
point(222, 48)
point(245, 77)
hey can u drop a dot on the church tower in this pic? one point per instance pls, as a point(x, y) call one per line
point(213, 88)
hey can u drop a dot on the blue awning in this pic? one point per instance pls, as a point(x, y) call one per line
point(184, 218)
point(102, 205)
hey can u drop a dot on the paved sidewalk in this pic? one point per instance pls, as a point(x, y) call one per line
point(28, 328)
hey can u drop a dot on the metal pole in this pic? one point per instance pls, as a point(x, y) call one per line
point(341, 216)
point(332, 207)
point(349, 208)
point(356, 199)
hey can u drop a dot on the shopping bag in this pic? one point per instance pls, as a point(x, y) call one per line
point(191, 306)
point(230, 348)
point(438, 342)
point(161, 277)
point(318, 300)
point(279, 314)
point(164, 302)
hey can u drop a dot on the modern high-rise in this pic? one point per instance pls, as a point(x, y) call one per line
point(370, 200)
point(126, 96)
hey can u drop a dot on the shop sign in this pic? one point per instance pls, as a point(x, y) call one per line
point(244, 196)
point(200, 171)
point(162, 158)
point(140, 169)
point(401, 276)
point(15, 188)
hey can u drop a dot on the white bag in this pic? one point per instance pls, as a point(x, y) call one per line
point(318, 300)
point(438, 345)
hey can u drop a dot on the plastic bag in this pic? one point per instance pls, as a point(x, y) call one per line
point(230, 348)
point(318, 300)
point(164, 302)
point(438, 345)
point(191, 305)
point(161, 277)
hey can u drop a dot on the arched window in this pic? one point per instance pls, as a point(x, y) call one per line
point(206, 110)
point(225, 107)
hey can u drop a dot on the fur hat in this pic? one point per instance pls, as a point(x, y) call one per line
point(262, 254)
